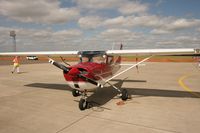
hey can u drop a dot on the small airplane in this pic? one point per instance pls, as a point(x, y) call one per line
point(95, 69)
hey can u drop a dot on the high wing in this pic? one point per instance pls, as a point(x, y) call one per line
point(188, 51)
point(151, 53)
point(47, 53)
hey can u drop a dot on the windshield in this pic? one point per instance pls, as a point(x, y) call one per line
point(96, 59)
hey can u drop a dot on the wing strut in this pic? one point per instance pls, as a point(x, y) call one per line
point(135, 65)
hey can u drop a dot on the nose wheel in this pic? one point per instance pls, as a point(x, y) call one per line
point(83, 104)
point(76, 93)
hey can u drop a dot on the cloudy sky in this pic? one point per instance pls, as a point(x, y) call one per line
point(99, 24)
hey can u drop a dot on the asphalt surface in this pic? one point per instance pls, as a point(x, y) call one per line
point(164, 98)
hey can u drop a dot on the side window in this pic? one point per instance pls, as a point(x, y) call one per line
point(109, 59)
point(99, 59)
point(84, 59)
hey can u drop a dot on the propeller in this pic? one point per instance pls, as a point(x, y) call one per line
point(75, 72)
point(59, 65)
point(90, 80)
point(64, 61)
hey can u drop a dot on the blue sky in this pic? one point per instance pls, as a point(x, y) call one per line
point(98, 24)
point(179, 8)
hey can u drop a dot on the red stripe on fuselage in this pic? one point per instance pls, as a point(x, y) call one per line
point(95, 71)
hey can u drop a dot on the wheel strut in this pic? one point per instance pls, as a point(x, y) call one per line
point(83, 104)
point(124, 95)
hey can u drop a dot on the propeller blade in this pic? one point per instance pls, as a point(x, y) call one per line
point(64, 61)
point(61, 66)
point(90, 80)
point(66, 69)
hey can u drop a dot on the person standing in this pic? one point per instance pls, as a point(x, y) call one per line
point(16, 64)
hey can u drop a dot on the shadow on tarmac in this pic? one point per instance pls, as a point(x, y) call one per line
point(103, 95)
point(128, 80)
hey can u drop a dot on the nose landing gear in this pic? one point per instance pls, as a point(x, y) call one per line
point(76, 93)
point(83, 104)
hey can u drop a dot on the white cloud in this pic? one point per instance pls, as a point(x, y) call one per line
point(133, 7)
point(198, 29)
point(160, 25)
point(115, 22)
point(40, 39)
point(160, 31)
point(172, 25)
point(190, 41)
point(117, 35)
point(90, 22)
point(67, 34)
point(143, 21)
point(40, 11)
point(122, 6)
point(134, 21)
point(168, 42)
point(98, 4)
point(119, 18)
point(183, 23)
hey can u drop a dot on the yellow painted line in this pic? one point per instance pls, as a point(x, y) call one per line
point(185, 87)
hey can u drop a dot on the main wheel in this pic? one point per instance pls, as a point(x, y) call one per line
point(75, 92)
point(83, 104)
point(124, 95)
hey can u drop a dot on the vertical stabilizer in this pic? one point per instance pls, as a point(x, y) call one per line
point(121, 46)
point(118, 61)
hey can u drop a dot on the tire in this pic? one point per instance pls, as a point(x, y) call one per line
point(75, 93)
point(124, 95)
point(83, 104)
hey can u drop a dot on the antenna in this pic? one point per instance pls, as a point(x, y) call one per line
point(13, 35)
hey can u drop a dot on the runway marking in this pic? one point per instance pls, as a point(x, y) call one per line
point(185, 87)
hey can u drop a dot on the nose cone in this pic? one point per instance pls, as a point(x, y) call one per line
point(74, 71)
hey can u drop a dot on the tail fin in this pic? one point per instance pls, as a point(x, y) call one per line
point(121, 46)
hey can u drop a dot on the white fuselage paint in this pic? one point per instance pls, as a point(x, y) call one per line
point(82, 85)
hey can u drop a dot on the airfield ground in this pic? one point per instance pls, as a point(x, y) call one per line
point(165, 98)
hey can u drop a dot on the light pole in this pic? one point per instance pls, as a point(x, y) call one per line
point(13, 35)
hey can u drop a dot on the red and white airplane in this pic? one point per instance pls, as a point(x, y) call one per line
point(96, 68)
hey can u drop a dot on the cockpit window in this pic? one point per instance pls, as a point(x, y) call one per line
point(96, 59)
point(99, 59)
point(110, 59)
point(92, 56)
point(84, 59)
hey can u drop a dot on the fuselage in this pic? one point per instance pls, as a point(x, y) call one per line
point(96, 71)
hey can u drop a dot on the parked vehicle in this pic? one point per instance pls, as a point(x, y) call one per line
point(31, 57)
